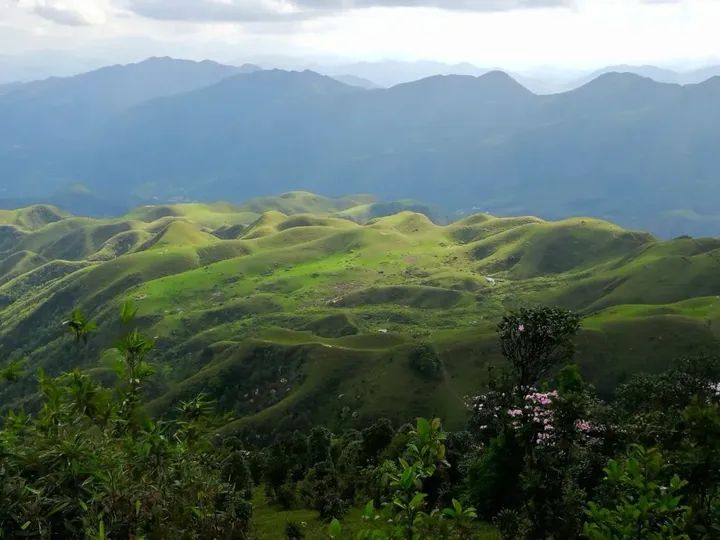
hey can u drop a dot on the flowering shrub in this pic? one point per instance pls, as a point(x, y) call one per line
point(495, 412)
point(539, 410)
point(538, 451)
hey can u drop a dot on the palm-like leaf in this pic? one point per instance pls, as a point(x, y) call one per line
point(13, 371)
point(80, 326)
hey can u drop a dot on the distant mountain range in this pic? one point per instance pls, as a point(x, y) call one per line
point(390, 73)
point(393, 72)
point(352, 80)
point(621, 147)
point(657, 74)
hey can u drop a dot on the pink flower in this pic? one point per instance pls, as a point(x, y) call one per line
point(521, 328)
point(583, 426)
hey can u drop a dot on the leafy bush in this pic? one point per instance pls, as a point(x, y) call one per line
point(536, 339)
point(91, 463)
point(510, 524)
point(493, 478)
point(376, 438)
point(640, 502)
point(425, 361)
point(293, 531)
point(406, 509)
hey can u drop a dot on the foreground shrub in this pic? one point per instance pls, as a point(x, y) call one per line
point(641, 502)
point(91, 463)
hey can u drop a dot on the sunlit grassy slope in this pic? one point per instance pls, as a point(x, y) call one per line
point(300, 309)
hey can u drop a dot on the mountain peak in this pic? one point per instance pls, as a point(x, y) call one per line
point(168, 61)
point(710, 87)
point(160, 59)
point(491, 82)
point(307, 75)
point(496, 74)
point(501, 79)
point(621, 79)
point(713, 82)
point(258, 85)
point(609, 86)
point(121, 86)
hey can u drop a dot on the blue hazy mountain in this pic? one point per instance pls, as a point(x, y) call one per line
point(621, 147)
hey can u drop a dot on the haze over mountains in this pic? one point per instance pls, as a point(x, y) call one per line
point(663, 75)
point(621, 147)
point(369, 74)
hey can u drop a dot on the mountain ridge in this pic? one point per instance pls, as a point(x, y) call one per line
point(460, 141)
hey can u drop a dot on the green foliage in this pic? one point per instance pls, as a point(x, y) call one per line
point(376, 438)
point(236, 471)
point(80, 326)
point(493, 475)
point(293, 531)
point(672, 390)
point(12, 371)
point(538, 454)
point(88, 460)
point(319, 445)
point(405, 510)
point(84, 466)
point(425, 361)
point(511, 524)
point(128, 312)
point(335, 529)
point(697, 458)
point(535, 340)
point(320, 490)
point(679, 410)
point(461, 519)
point(642, 501)
point(570, 380)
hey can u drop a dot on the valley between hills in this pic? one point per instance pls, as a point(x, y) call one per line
point(308, 310)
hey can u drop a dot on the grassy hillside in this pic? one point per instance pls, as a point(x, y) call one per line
point(301, 309)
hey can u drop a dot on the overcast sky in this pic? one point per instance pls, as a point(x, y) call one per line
point(515, 34)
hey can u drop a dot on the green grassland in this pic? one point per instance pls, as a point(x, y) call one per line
point(299, 309)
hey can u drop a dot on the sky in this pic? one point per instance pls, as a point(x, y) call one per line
point(513, 34)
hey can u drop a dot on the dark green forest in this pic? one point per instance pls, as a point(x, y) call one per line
point(540, 455)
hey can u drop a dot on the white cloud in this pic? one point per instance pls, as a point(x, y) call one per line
point(587, 34)
point(266, 10)
point(67, 12)
point(219, 10)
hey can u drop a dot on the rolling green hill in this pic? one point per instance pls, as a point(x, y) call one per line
point(298, 309)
